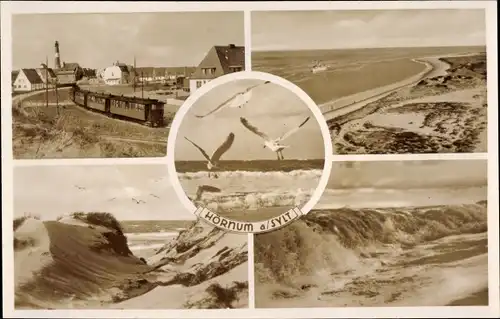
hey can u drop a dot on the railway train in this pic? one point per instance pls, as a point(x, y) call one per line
point(148, 112)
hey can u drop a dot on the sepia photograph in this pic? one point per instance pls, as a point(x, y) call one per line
point(117, 237)
point(100, 85)
point(415, 237)
point(249, 150)
point(387, 81)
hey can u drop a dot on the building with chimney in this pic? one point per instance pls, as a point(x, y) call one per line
point(219, 61)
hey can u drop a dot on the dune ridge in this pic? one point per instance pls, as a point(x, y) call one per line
point(83, 261)
point(338, 240)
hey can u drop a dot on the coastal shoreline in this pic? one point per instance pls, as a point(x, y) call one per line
point(354, 102)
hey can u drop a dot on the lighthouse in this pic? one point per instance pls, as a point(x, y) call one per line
point(57, 59)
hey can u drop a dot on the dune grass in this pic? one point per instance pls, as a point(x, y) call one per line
point(103, 219)
point(18, 221)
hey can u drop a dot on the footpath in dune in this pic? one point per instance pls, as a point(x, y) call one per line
point(84, 261)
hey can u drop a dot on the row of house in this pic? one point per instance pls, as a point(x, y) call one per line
point(26, 80)
point(218, 61)
point(31, 79)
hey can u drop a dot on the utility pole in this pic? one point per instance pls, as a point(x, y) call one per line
point(46, 81)
point(135, 73)
point(57, 97)
point(142, 86)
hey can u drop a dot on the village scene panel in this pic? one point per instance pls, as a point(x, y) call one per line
point(113, 90)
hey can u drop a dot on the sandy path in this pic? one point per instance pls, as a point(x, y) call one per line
point(354, 102)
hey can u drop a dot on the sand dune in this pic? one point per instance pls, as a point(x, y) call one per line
point(83, 262)
point(444, 112)
point(425, 256)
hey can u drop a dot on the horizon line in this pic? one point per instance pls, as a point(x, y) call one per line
point(357, 48)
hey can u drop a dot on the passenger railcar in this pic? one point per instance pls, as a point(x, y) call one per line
point(146, 111)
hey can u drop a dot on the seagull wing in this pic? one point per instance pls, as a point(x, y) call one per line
point(223, 148)
point(256, 85)
point(253, 129)
point(233, 101)
point(206, 188)
point(199, 148)
point(295, 129)
point(240, 100)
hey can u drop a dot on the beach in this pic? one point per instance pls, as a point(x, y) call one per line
point(435, 104)
point(441, 110)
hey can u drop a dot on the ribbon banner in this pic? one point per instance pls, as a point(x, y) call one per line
point(232, 225)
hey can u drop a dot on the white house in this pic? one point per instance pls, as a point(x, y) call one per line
point(28, 80)
point(220, 60)
point(116, 74)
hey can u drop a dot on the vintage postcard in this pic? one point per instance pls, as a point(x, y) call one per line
point(274, 159)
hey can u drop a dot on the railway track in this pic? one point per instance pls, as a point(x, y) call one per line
point(133, 140)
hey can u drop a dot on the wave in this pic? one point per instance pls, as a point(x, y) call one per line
point(144, 247)
point(151, 235)
point(255, 200)
point(337, 240)
point(297, 174)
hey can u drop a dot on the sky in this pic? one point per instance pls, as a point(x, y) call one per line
point(272, 108)
point(405, 184)
point(98, 40)
point(307, 30)
point(52, 191)
point(409, 174)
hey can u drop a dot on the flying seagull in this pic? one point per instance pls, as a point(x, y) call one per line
point(140, 201)
point(238, 100)
point(154, 195)
point(275, 144)
point(202, 189)
point(80, 187)
point(213, 161)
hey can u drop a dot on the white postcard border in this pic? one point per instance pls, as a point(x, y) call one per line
point(492, 310)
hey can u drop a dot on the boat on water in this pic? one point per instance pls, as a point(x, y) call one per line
point(318, 67)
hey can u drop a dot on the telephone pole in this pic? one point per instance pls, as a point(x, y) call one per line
point(46, 81)
point(142, 86)
point(57, 97)
point(135, 74)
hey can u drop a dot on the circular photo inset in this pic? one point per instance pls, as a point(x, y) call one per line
point(251, 152)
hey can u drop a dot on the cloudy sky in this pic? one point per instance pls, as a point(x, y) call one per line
point(272, 108)
point(51, 191)
point(98, 40)
point(303, 30)
point(405, 183)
